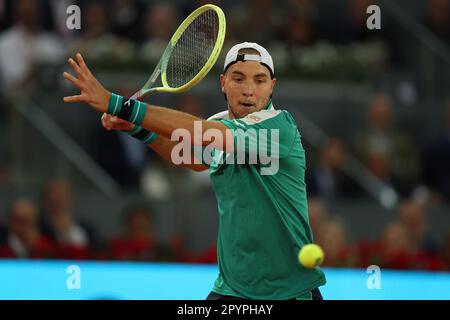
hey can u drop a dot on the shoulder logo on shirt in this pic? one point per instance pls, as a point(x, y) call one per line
point(256, 118)
point(259, 116)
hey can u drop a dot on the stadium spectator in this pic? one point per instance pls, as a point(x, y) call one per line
point(414, 218)
point(24, 239)
point(138, 241)
point(388, 152)
point(257, 20)
point(398, 252)
point(326, 177)
point(126, 16)
point(437, 18)
point(394, 248)
point(336, 244)
point(318, 214)
point(97, 40)
point(25, 46)
point(73, 239)
point(159, 23)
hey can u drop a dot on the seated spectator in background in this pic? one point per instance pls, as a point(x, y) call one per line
point(437, 18)
point(256, 20)
point(126, 16)
point(394, 248)
point(25, 46)
point(159, 23)
point(414, 218)
point(97, 42)
point(436, 167)
point(73, 239)
point(138, 241)
point(327, 179)
point(24, 239)
point(395, 251)
point(318, 214)
point(335, 242)
point(388, 152)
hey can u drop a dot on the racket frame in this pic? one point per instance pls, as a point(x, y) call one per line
point(160, 69)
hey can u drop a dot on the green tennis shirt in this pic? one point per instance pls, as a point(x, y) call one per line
point(263, 216)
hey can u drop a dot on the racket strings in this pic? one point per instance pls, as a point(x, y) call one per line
point(193, 49)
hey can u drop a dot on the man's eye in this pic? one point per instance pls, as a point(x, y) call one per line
point(238, 79)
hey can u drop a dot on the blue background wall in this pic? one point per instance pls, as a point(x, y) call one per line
point(108, 280)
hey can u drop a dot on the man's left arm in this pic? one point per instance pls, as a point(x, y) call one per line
point(161, 120)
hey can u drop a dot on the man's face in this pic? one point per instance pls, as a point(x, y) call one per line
point(248, 87)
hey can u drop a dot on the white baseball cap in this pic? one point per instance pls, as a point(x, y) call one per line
point(264, 57)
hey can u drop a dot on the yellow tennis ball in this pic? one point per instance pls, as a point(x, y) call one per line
point(310, 256)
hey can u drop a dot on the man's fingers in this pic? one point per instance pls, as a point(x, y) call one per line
point(70, 99)
point(75, 67)
point(118, 120)
point(72, 79)
point(82, 64)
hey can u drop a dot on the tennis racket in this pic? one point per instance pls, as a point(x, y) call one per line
point(190, 54)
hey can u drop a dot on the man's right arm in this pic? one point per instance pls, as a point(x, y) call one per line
point(164, 146)
point(161, 145)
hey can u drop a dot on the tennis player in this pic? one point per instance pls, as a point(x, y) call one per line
point(263, 218)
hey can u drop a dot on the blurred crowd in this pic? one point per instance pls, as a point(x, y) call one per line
point(304, 36)
point(50, 229)
point(304, 40)
point(403, 243)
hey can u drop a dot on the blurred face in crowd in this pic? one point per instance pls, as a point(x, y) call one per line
point(138, 223)
point(299, 30)
point(333, 153)
point(317, 213)
point(332, 238)
point(378, 163)
point(57, 198)
point(357, 11)
point(28, 14)
point(439, 12)
point(380, 113)
point(95, 21)
point(394, 240)
point(160, 21)
point(23, 218)
point(412, 216)
point(247, 85)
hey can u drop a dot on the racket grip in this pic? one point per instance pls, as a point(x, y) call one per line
point(137, 96)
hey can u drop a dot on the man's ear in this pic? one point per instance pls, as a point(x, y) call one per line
point(222, 82)
point(274, 82)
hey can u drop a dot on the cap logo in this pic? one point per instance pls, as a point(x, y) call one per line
point(248, 57)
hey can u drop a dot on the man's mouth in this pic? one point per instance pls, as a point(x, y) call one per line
point(247, 104)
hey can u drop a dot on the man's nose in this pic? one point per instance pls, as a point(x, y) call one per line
point(248, 89)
